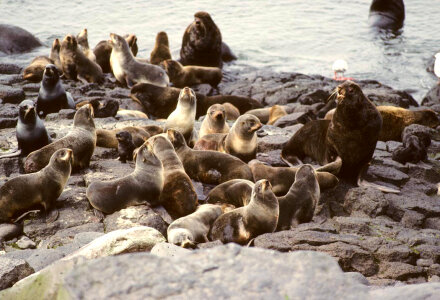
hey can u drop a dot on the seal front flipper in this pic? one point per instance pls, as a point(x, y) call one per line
point(52, 216)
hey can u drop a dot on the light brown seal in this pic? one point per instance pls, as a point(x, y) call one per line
point(83, 42)
point(34, 72)
point(55, 54)
point(181, 76)
point(214, 121)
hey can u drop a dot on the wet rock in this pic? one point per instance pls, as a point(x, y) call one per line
point(388, 174)
point(11, 95)
point(14, 39)
point(140, 215)
point(31, 87)
point(9, 166)
point(432, 97)
point(384, 95)
point(7, 68)
point(8, 122)
point(13, 270)
point(318, 96)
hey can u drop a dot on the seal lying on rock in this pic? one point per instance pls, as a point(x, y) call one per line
point(194, 228)
point(81, 139)
point(22, 193)
point(181, 76)
point(52, 96)
point(178, 195)
point(245, 223)
point(34, 72)
point(208, 166)
point(161, 50)
point(143, 185)
point(236, 192)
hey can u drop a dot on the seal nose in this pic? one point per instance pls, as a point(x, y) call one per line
point(186, 90)
point(198, 23)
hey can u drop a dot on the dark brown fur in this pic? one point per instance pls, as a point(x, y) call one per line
point(161, 50)
point(182, 76)
point(107, 137)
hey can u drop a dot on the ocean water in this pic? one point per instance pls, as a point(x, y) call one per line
point(293, 36)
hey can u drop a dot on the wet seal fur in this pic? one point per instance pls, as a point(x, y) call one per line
point(181, 76)
point(81, 139)
point(76, 65)
point(22, 193)
point(52, 97)
point(161, 50)
point(214, 121)
point(125, 146)
point(143, 185)
point(178, 195)
point(187, 231)
point(128, 71)
point(208, 166)
point(103, 50)
point(245, 223)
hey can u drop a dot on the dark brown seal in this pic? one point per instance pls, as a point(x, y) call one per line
point(81, 139)
point(107, 137)
point(181, 76)
point(161, 50)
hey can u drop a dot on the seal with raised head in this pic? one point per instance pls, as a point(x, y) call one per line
point(83, 42)
point(76, 65)
point(208, 166)
point(187, 231)
point(125, 146)
point(386, 14)
point(159, 102)
point(142, 186)
point(34, 72)
point(128, 71)
point(181, 76)
point(298, 205)
point(161, 50)
point(81, 139)
point(22, 193)
point(103, 50)
point(214, 121)
point(52, 97)
point(245, 223)
point(55, 54)
point(183, 117)
point(178, 195)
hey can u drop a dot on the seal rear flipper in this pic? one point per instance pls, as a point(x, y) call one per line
point(385, 189)
point(291, 160)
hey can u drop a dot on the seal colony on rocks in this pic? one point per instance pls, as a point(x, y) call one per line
point(103, 51)
point(181, 76)
point(161, 49)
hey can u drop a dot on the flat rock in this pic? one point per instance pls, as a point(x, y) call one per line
point(13, 270)
point(11, 95)
point(7, 68)
point(169, 250)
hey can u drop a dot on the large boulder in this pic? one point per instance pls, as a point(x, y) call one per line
point(14, 39)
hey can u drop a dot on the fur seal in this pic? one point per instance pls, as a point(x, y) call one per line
point(208, 166)
point(76, 65)
point(282, 178)
point(55, 54)
point(245, 223)
point(81, 139)
point(143, 185)
point(395, 119)
point(128, 71)
point(104, 109)
point(107, 137)
point(386, 14)
point(178, 195)
point(83, 42)
point(34, 72)
point(276, 112)
point(161, 50)
point(30, 131)
point(298, 205)
point(236, 192)
point(22, 193)
point(215, 121)
point(159, 102)
point(181, 76)
point(232, 113)
point(52, 97)
point(187, 231)
point(351, 135)
point(183, 117)
point(127, 114)
point(103, 50)
point(125, 146)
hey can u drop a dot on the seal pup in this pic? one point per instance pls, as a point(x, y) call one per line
point(76, 65)
point(208, 166)
point(282, 178)
point(178, 195)
point(236, 192)
point(202, 42)
point(245, 223)
point(107, 137)
point(83, 42)
point(142, 186)
point(159, 102)
point(298, 205)
point(128, 71)
point(55, 54)
point(34, 72)
point(23, 192)
point(187, 231)
point(125, 146)
point(181, 76)
point(214, 121)
point(81, 139)
point(161, 50)
point(183, 117)
point(52, 97)
point(386, 14)
point(104, 109)
point(103, 50)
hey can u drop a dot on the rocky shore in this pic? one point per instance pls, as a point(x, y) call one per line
point(379, 239)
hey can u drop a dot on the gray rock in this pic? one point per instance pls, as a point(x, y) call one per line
point(399, 270)
point(66, 236)
point(14, 39)
point(7, 68)
point(11, 95)
point(41, 258)
point(13, 270)
point(388, 174)
point(25, 243)
point(83, 238)
point(358, 277)
point(272, 138)
point(365, 202)
point(169, 250)
point(8, 122)
point(432, 97)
